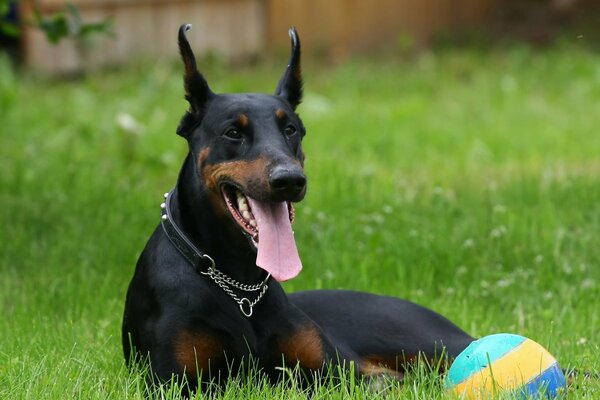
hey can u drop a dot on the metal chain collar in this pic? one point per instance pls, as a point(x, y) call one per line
point(225, 282)
point(191, 254)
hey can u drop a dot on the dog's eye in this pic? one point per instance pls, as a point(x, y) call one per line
point(289, 130)
point(233, 134)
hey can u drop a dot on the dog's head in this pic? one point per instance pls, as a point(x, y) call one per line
point(248, 154)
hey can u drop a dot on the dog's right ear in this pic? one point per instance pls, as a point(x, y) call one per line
point(197, 92)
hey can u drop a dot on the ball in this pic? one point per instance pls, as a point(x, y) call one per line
point(505, 362)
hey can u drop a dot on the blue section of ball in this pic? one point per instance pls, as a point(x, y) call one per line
point(550, 382)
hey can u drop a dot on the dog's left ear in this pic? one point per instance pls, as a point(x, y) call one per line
point(290, 84)
point(197, 92)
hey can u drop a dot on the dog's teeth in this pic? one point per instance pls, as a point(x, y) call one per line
point(244, 210)
point(242, 202)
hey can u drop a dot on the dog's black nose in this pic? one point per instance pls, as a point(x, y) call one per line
point(288, 183)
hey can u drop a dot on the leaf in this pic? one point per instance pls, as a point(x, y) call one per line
point(55, 27)
point(105, 27)
point(4, 7)
point(10, 29)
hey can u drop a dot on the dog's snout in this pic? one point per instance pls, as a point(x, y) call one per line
point(288, 183)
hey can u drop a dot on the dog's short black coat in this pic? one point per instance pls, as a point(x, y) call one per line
point(187, 325)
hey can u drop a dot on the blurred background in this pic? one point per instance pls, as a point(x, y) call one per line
point(244, 29)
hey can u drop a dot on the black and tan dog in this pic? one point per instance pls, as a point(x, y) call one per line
point(206, 298)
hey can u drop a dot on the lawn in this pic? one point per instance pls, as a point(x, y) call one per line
point(464, 179)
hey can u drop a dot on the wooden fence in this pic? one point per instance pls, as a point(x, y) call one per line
point(239, 28)
point(341, 27)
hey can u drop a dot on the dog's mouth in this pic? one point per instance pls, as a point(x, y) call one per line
point(238, 206)
point(269, 227)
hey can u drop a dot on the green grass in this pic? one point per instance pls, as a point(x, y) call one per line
point(465, 180)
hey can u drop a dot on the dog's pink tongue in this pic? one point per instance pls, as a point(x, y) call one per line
point(277, 252)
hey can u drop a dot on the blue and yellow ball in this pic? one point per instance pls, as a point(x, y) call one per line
point(505, 362)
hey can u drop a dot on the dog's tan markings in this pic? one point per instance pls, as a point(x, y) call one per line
point(189, 74)
point(280, 114)
point(249, 175)
point(203, 156)
point(368, 369)
point(197, 350)
point(213, 196)
point(298, 72)
point(243, 120)
point(388, 365)
point(305, 347)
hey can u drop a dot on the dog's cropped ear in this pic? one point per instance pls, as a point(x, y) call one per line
point(290, 84)
point(197, 92)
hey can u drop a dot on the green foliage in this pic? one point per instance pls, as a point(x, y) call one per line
point(467, 181)
point(57, 26)
point(69, 24)
point(6, 27)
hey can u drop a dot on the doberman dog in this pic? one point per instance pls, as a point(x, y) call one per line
point(206, 297)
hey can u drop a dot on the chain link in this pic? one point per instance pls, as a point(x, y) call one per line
point(225, 281)
point(215, 274)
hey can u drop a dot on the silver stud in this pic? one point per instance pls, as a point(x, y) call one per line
point(164, 217)
point(166, 195)
point(163, 205)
